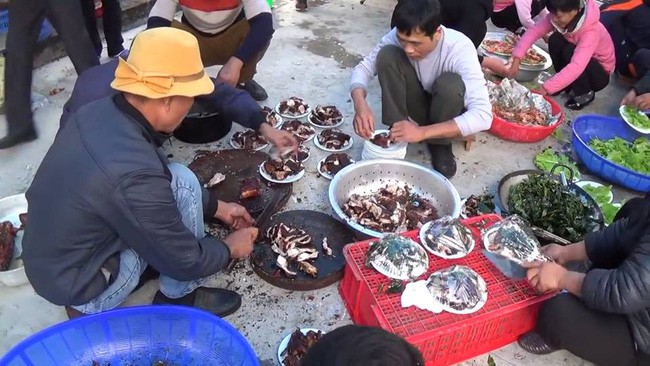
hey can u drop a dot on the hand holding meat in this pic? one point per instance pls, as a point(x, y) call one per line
point(407, 131)
point(234, 215)
point(545, 276)
point(241, 242)
point(282, 140)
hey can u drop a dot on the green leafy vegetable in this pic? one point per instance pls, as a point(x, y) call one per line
point(547, 159)
point(609, 211)
point(545, 203)
point(635, 156)
point(600, 194)
point(636, 118)
point(558, 134)
point(491, 361)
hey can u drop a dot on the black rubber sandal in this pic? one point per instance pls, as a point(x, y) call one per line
point(534, 343)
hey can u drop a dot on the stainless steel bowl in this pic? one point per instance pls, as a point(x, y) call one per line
point(368, 176)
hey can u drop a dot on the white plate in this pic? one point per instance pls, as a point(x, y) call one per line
point(423, 231)
point(10, 208)
point(237, 146)
point(323, 173)
point(308, 138)
point(280, 121)
point(423, 254)
point(584, 183)
point(311, 115)
point(285, 342)
point(308, 155)
point(288, 116)
point(345, 147)
point(290, 179)
point(482, 286)
point(395, 146)
point(639, 129)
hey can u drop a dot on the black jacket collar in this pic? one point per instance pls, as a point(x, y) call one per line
point(153, 136)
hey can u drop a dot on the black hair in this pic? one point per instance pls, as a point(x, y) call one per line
point(564, 6)
point(354, 345)
point(412, 15)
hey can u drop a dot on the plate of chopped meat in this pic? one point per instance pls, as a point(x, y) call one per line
point(286, 170)
point(13, 220)
point(325, 117)
point(272, 117)
point(294, 346)
point(249, 139)
point(293, 107)
point(303, 131)
point(333, 163)
point(333, 140)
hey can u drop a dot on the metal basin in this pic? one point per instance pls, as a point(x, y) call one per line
point(368, 176)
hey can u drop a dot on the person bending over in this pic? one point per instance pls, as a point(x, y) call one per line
point(580, 47)
point(432, 86)
point(514, 15)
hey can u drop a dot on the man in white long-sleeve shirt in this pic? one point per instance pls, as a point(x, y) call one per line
point(432, 85)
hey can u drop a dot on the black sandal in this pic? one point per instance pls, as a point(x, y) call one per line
point(301, 5)
point(532, 342)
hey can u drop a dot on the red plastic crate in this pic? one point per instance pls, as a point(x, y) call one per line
point(511, 309)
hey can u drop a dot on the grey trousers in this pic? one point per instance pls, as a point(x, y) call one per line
point(403, 96)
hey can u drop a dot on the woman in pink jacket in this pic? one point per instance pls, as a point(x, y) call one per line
point(581, 49)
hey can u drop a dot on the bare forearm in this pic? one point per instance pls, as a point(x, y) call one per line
point(572, 282)
point(576, 252)
point(441, 130)
point(358, 97)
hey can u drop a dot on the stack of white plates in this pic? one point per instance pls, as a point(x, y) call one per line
point(394, 151)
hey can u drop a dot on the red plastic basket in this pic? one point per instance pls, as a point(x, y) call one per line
point(443, 339)
point(517, 133)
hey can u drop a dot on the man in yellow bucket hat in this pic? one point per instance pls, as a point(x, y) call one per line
point(106, 203)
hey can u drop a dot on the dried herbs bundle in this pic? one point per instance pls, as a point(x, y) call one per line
point(545, 203)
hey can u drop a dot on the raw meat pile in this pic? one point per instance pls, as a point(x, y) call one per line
point(7, 240)
point(302, 131)
point(382, 139)
point(298, 346)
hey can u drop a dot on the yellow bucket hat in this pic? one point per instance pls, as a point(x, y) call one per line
point(163, 62)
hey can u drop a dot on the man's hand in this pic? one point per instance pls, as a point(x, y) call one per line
point(233, 215)
point(280, 139)
point(545, 276)
point(241, 242)
point(407, 131)
point(643, 101)
point(364, 122)
point(557, 253)
point(513, 70)
point(230, 72)
point(629, 98)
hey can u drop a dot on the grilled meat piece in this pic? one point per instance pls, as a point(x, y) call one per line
point(282, 169)
point(250, 188)
point(249, 139)
point(7, 239)
point(302, 131)
point(271, 116)
point(334, 139)
point(335, 162)
point(382, 139)
point(293, 106)
point(327, 115)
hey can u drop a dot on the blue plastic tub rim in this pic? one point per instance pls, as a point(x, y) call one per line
point(19, 349)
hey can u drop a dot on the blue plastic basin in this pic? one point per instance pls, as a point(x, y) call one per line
point(175, 335)
point(587, 127)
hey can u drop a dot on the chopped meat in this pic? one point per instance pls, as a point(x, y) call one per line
point(283, 168)
point(327, 115)
point(272, 118)
point(382, 139)
point(335, 162)
point(293, 106)
point(249, 139)
point(302, 131)
point(216, 179)
point(7, 239)
point(250, 188)
point(334, 139)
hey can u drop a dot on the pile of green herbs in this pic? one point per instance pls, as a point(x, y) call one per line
point(636, 118)
point(547, 204)
point(635, 156)
point(547, 159)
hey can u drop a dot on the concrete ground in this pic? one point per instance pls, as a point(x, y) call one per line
point(311, 56)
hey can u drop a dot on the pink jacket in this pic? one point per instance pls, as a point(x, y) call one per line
point(591, 40)
point(523, 10)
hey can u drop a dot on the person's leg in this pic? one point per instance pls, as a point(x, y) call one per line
point(24, 26)
point(565, 322)
point(127, 279)
point(88, 11)
point(402, 94)
point(636, 204)
point(219, 49)
point(447, 103)
point(112, 22)
point(594, 78)
point(68, 21)
point(507, 18)
point(556, 49)
point(188, 194)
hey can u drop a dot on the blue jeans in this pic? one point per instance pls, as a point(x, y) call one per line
point(187, 191)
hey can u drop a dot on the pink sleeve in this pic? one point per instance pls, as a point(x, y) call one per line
point(581, 56)
point(523, 12)
point(540, 28)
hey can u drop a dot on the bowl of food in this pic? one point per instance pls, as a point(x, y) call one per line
point(501, 45)
point(327, 116)
point(293, 107)
point(612, 150)
point(520, 115)
point(13, 220)
point(380, 196)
